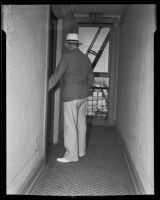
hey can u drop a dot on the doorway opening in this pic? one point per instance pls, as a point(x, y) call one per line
point(96, 44)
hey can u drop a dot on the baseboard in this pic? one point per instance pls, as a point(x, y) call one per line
point(27, 186)
point(133, 172)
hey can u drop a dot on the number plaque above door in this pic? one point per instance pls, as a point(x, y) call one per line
point(96, 17)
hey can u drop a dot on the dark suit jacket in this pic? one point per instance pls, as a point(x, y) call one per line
point(76, 75)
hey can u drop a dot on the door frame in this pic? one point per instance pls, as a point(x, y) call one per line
point(113, 22)
point(51, 65)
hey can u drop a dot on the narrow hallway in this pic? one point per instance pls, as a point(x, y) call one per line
point(119, 41)
point(103, 171)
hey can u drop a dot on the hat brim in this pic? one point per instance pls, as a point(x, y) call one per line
point(73, 41)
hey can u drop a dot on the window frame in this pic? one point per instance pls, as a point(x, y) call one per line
point(112, 22)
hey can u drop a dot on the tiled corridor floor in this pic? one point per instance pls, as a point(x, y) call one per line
point(103, 171)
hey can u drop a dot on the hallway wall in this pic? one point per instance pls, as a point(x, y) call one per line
point(26, 27)
point(135, 89)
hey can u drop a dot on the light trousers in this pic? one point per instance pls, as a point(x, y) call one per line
point(75, 128)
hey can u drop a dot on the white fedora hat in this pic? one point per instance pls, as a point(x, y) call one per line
point(73, 38)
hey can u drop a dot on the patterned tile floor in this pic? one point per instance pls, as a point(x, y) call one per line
point(103, 171)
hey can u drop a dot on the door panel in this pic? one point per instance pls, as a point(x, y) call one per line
point(96, 45)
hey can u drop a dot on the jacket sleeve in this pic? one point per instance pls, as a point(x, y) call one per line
point(58, 72)
point(91, 79)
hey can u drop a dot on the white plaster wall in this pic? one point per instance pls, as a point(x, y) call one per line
point(27, 33)
point(135, 119)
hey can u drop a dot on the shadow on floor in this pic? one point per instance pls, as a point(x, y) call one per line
point(88, 134)
point(60, 146)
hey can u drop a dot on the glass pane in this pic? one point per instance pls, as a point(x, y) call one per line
point(100, 39)
point(102, 64)
point(86, 35)
point(101, 82)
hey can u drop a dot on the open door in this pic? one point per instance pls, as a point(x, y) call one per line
point(52, 66)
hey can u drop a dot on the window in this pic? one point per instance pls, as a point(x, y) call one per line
point(95, 44)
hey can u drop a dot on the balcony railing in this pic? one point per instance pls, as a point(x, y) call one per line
point(98, 102)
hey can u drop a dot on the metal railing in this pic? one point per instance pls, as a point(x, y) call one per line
point(98, 102)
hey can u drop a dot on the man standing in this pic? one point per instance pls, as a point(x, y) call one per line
point(76, 74)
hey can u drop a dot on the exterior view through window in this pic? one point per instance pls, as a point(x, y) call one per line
point(95, 44)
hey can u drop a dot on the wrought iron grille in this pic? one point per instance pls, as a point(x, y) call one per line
point(98, 101)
